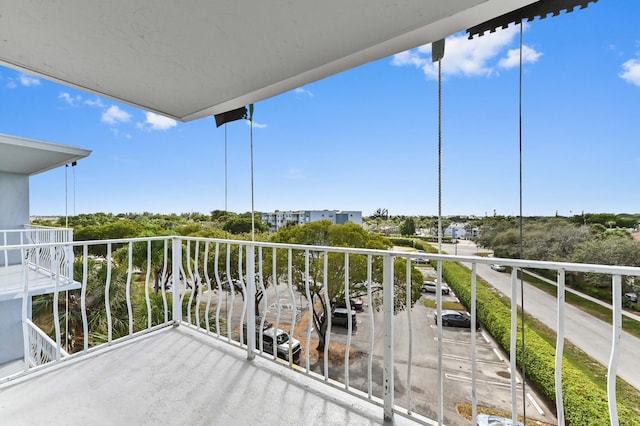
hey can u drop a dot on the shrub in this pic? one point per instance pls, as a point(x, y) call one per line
point(585, 402)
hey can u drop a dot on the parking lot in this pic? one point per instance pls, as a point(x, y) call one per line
point(493, 385)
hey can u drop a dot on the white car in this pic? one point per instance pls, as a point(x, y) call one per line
point(431, 287)
point(490, 420)
point(498, 268)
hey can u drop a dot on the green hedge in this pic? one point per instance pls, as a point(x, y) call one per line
point(585, 402)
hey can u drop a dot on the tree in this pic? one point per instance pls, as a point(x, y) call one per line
point(613, 249)
point(408, 227)
point(242, 225)
point(95, 308)
point(380, 214)
point(320, 287)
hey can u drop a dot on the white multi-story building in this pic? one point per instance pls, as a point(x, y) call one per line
point(279, 219)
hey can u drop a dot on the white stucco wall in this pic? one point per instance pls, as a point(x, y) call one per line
point(14, 208)
point(11, 346)
point(14, 193)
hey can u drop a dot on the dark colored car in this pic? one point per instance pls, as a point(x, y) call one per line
point(339, 317)
point(356, 305)
point(452, 318)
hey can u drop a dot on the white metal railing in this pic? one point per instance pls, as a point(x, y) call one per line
point(45, 260)
point(211, 285)
point(42, 349)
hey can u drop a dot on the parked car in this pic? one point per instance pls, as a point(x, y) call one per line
point(339, 317)
point(420, 260)
point(282, 339)
point(452, 318)
point(431, 287)
point(491, 420)
point(499, 268)
point(632, 297)
point(356, 305)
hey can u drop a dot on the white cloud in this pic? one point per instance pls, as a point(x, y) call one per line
point(529, 56)
point(22, 80)
point(71, 100)
point(303, 91)
point(157, 122)
point(114, 115)
point(256, 125)
point(631, 73)
point(469, 58)
point(97, 102)
point(28, 80)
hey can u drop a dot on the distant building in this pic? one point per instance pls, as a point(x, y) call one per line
point(456, 230)
point(280, 219)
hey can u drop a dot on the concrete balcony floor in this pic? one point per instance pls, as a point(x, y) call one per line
point(178, 376)
point(12, 282)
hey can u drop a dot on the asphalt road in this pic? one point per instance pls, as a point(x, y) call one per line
point(586, 332)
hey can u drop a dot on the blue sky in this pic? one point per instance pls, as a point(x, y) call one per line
point(367, 138)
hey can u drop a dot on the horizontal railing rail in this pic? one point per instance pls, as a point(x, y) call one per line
point(280, 301)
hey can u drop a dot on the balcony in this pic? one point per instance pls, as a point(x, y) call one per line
point(164, 332)
point(47, 267)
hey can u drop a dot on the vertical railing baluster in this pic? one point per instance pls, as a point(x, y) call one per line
point(243, 289)
point(265, 297)
point(513, 344)
point(616, 293)
point(311, 309)
point(560, 347)
point(56, 296)
point(83, 296)
point(164, 279)
point(232, 290)
point(107, 303)
point(388, 355)
point(274, 276)
point(440, 343)
point(216, 274)
point(147, 281)
point(176, 263)
point(191, 278)
point(205, 266)
point(408, 300)
point(294, 316)
point(327, 334)
point(371, 327)
point(251, 307)
point(71, 256)
point(347, 300)
point(277, 297)
point(474, 357)
point(128, 288)
point(197, 281)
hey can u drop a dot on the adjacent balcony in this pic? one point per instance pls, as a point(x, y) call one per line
point(47, 266)
point(180, 330)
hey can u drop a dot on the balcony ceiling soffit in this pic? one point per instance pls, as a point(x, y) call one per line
point(191, 59)
point(29, 157)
